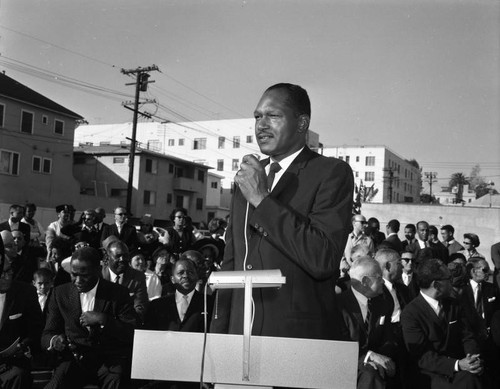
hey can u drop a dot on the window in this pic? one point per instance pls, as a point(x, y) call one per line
point(357, 174)
point(249, 139)
point(235, 164)
point(199, 204)
point(369, 176)
point(27, 122)
point(118, 159)
point(115, 192)
point(179, 201)
point(151, 166)
point(42, 165)
point(222, 140)
point(236, 142)
point(181, 142)
point(370, 161)
point(213, 185)
point(341, 157)
point(170, 167)
point(347, 158)
point(201, 175)
point(2, 114)
point(357, 158)
point(169, 198)
point(58, 127)
point(9, 162)
point(171, 142)
point(149, 197)
point(154, 145)
point(220, 165)
point(200, 143)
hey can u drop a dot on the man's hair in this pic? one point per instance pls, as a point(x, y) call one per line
point(448, 228)
point(472, 263)
point(30, 206)
point(43, 272)
point(473, 238)
point(87, 254)
point(177, 209)
point(422, 222)
point(362, 266)
point(216, 224)
point(186, 260)
point(457, 256)
point(16, 207)
point(394, 225)
point(117, 243)
point(433, 230)
point(411, 227)
point(361, 250)
point(430, 270)
point(62, 245)
point(297, 99)
point(382, 256)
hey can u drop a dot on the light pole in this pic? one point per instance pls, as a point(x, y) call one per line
point(491, 184)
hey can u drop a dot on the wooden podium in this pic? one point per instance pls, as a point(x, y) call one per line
point(237, 361)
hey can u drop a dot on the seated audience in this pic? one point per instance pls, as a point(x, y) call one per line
point(180, 236)
point(410, 231)
point(85, 230)
point(365, 318)
point(153, 283)
point(495, 258)
point(147, 237)
point(392, 240)
point(163, 261)
point(54, 229)
point(25, 262)
point(123, 230)
point(90, 323)
point(14, 222)
point(443, 349)
point(118, 270)
point(21, 324)
point(60, 250)
point(373, 231)
point(439, 250)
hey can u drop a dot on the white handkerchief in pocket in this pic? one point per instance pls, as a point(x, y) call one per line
point(16, 316)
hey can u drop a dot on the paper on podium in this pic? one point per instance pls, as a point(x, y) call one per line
point(289, 362)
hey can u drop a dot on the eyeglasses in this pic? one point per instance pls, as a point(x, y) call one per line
point(120, 214)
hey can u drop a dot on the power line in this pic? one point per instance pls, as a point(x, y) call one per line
point(59, 47)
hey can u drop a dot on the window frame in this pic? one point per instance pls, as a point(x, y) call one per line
point(23, 111)
point(14, 162)
point(55, 124)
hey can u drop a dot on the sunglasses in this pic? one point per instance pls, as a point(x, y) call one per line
point(120, 214)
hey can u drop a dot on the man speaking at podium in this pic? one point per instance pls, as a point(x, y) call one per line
point(295, 209)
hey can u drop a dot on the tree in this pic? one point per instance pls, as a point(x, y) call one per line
point(483, 189)
point(458, 180)
point(426, 198)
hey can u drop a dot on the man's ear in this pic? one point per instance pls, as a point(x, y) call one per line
point(304, 121)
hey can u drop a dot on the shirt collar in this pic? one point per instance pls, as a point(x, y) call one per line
point(113, 274)
point(388, 284)
point(179, 295)
point(473, 283)
point(360, 297)
point(285, 162)
point(431, 301)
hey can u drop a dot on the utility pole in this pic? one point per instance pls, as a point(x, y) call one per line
point(430, 176)
point(141, 85)
point(391, 179)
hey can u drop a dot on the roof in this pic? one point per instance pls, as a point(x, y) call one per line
point(15, 90)
point(125, 150)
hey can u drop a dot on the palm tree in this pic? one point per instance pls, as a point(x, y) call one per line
point(458, 180)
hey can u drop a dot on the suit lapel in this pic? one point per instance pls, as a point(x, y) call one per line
point(290, 175)
point(9, 302)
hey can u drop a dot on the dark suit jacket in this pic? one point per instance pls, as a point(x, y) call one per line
point(25, 264)
point(454, 247)
point(79, 234)
point(394, 243)
point(301, 228)
point(23, 227)
point(379, 336)
point(433, 344)
point(491, 303)
point(135, 282)
point(402, 293)
point(162, 314)
point(495, 257)
point(128, 234)
point(115, 338)
point(22, 317)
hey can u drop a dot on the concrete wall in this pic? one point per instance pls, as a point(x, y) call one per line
point(484, 222)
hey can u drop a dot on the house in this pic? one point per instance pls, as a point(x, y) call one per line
point(36, 147)
point(160, 183)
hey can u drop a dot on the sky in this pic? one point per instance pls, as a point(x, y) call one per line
point(421, 77)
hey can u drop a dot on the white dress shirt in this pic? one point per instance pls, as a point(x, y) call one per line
point(284, 163)
point(396, 313)
point(179, 297)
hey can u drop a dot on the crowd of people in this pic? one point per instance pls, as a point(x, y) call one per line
point(71, 295)
point(425, 311)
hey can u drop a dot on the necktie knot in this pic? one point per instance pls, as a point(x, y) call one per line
point(273, 169)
